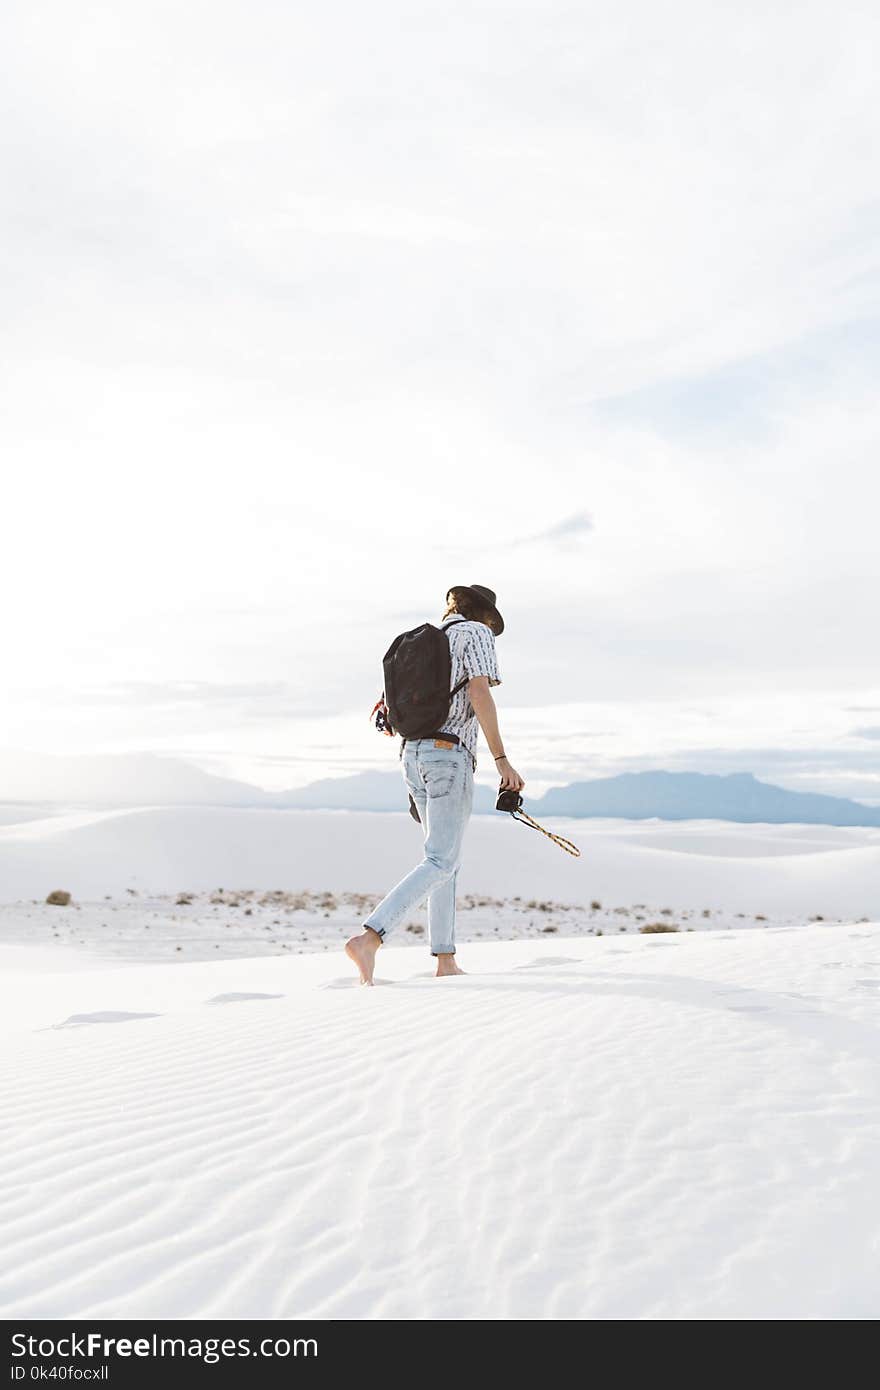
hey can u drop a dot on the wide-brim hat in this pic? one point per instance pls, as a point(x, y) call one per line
point(485, 597)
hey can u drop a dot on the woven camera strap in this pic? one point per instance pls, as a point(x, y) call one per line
point(560, 840)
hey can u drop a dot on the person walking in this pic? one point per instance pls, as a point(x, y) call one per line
point(439, 775)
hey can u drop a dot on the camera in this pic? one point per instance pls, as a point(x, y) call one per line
point(508, 801)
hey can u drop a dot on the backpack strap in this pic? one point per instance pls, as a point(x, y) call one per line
point(458, 618)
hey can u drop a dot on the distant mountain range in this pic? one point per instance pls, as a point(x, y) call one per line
point(148, 779)
point(734, 796)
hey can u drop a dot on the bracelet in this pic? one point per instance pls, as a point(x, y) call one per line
point(500, 756)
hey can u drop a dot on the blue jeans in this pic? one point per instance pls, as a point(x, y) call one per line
point(441, 783)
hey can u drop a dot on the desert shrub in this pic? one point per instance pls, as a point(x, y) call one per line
point(596, 906)
point(655, 928)
point(59, 897)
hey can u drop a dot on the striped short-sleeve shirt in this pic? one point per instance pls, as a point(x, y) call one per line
point(472, 649)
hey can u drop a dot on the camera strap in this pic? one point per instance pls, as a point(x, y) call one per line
point(560, 840)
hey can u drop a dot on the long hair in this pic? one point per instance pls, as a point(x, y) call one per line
point(465, 603)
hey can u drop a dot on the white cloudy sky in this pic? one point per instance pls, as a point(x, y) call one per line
point(311, 311)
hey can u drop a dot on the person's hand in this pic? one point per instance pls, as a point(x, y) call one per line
point(510, 778)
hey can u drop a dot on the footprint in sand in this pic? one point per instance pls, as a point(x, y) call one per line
point(350, 982)
point(549, 960)
point(108, 1016)
point(240, 998)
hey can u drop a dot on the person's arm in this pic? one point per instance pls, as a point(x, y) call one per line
point(483, 701)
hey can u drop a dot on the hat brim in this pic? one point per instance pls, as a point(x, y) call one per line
point(483, 602)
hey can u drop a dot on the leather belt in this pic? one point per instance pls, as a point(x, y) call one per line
point(442, 736)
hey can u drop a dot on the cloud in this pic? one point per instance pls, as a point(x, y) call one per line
point(872, 732)
point(747, 399)
point(354, 325)
point(245, 699)
point(187, 692)
point(565, 533)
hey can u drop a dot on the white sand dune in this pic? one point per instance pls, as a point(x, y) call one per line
point(683, 1127)
point(832, 871)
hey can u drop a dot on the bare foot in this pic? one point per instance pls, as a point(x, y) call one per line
point(446, 966)
point(362, 950)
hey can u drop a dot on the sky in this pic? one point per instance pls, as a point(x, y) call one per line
point(311, 312)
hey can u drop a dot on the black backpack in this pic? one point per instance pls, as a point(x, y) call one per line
point(418, 669)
